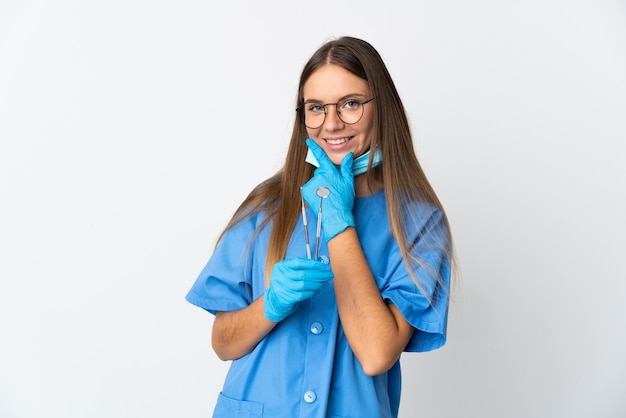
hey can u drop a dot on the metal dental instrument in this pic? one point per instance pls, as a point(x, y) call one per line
point(306, 228)
point(323, 193)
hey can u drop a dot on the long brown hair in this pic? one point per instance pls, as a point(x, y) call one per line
point(402, 177)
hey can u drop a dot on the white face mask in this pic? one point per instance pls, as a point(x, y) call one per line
point(359, 165)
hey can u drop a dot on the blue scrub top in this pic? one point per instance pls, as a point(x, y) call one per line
point(305, 367)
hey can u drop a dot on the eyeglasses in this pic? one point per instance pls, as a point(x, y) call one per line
point(349, 110)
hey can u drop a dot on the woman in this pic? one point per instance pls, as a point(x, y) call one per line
point(320, 335)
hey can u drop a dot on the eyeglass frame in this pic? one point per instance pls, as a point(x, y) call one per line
point(303, 117)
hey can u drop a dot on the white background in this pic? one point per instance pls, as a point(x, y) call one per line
point(130, 131)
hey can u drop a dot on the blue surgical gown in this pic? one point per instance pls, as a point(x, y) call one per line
point(305, 367)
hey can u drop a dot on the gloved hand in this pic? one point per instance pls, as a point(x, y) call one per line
point(294, 280)
point(337, 207)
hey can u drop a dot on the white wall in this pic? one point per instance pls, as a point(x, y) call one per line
point(125, 146)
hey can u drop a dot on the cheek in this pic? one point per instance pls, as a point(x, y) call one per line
point(313, 134)
point(369, 124)
point(368, 132)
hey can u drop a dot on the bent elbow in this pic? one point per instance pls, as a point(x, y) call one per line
point(375, 370)
point(375, 365)
point(222, 354)
point(226, 354)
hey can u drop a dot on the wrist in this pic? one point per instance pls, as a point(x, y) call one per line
point(273, 309)
point(337, 224)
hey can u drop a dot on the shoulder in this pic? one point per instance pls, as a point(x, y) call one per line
point(426, 222)
point(248, 225)
point(421, 212)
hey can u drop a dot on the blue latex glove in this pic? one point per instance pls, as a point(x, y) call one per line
point(294, 280)
point(337, 207)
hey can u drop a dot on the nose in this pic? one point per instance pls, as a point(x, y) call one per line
point(332, 121)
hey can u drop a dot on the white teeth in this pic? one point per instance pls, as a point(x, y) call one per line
point(337, 141)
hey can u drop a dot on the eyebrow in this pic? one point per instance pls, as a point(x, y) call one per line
point(347, 96)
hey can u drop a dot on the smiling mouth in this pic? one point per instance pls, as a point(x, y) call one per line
point(338, 141)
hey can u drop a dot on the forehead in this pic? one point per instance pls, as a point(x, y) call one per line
point(332, 82)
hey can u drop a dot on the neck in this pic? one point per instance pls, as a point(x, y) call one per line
point(362, 189)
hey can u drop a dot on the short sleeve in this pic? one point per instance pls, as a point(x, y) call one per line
point(224, 283)
point(425, 307)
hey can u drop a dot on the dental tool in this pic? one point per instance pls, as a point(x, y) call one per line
point(323, 193)
point(306, 228)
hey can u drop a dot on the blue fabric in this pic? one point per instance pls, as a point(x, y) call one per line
point(305, 367)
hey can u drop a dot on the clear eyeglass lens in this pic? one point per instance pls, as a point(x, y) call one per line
point(349, 111)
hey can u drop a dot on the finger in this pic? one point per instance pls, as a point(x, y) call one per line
point(312, 275)
point(346, 165)
point(310, 285)
point(309, 191)
point(319, 153)
point(301, 263)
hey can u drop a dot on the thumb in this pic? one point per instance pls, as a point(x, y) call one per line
point(346, 165)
